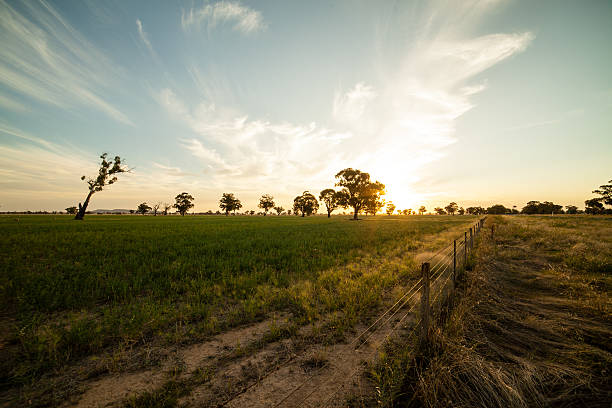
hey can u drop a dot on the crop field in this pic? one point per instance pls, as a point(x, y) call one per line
point(86, 301)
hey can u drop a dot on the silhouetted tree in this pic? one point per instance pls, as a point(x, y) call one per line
point(143, 208)
point(475, 210)
point(605, 191)
point(306, 204)
point(184, 202)
point(357, 190)
point(155, 208)
point(106, 176)
point(451, 208)
point(331, 199)
point(390, 208)
point(71, 210)
point(266, 202)
point(571, 209)
point(461, 211)
point(373, 205)
point(422, 210)
point(439, 211)
point(166, 207)
point(593, 206)
point(229, 203)
point(279, 210)
point(497, 209)
point(547, 207)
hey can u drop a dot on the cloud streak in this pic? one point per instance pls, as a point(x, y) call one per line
point(242, 18)
point(144, 37)
point(45, 59)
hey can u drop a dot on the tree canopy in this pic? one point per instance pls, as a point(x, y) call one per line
point(422, 210)
point(183, 202)
point(266, 202)
point(390, 208)
point(358, 191)
point(605, 191)
point(439, 211)
point(547, 207)
point(331, 199)
point(593, 206)
point(452, 208)
point(475, 210)
point(497, 209)
point(306, 204)
point(143, 208)
point(229, 203)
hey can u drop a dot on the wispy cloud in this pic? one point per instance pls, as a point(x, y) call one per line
point(236, 152)
point(240, 17)
point(410, 119)
point(44, 58)
point(350, 106)
point(144, 37)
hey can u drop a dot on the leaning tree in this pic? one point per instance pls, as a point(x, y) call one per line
point(183, 202)
point(106, 176)
point(358, 191)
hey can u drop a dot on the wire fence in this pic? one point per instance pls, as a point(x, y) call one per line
point(439, 274)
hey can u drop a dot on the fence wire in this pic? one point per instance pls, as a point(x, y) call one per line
point(448, 261)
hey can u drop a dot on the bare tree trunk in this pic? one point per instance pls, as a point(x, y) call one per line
point(328, 214)
point(82, 208)
point(355, 213)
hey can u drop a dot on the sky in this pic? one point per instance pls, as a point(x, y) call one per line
point(477, 102)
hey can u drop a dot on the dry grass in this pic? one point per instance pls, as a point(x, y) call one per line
point(532, 327)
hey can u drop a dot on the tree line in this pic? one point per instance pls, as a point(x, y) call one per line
point(356, 191)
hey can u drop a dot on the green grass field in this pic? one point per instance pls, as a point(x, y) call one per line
point(73, 289)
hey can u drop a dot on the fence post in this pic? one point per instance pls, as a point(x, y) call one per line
point(464, 250)
point(454, 262)
point(425, 310)
point(471, 239)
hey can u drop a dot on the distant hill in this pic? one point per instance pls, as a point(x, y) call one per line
point(115, 211)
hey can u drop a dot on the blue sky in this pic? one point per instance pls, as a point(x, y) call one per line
point(477, 102)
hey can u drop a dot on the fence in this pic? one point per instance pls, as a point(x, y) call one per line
point(448, 264)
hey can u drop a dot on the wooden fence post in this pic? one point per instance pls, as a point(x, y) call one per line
point(464, 250)
point(425, 310)
point(471, 239)
point(454, 262)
